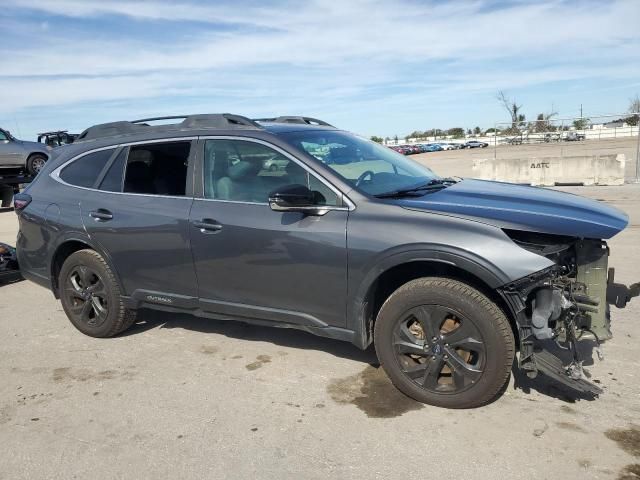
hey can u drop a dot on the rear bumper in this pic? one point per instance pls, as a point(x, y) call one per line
point(36, 278)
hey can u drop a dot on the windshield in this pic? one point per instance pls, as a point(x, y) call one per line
point(366, 165)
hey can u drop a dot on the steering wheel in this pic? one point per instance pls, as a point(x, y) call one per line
point(363, 175)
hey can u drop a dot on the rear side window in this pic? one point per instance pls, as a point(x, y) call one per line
point(84, 171)
point(157, 169)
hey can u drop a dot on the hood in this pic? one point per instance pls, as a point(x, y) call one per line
point(519, 207)
point(35, 146)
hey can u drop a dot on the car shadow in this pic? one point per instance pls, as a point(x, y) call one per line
point(285, 337)
point(299, 339)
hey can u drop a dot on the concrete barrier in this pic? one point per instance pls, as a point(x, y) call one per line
point(548, 171)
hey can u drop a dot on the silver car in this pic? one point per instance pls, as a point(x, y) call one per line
point(21, 154)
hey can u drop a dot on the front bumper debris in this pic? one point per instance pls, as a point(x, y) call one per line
point(561, 316)
point(9, 270)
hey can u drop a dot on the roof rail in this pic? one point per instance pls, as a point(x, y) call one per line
point(216, 120)
point(294, 119)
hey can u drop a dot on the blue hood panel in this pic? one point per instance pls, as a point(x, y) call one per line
point(519, 207)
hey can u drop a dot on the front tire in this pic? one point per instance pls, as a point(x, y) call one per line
point(35, 163)
point(91, 296)
point(444, 343)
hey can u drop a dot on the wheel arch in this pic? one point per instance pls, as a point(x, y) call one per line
point(378, 287)
point(37, 152)
point(68, 247)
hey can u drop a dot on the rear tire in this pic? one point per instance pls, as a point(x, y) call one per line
point(444, 343)
point(35, 163)
point(91, 296)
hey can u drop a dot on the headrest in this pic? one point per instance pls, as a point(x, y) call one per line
point(140, 155)
point(243, 169)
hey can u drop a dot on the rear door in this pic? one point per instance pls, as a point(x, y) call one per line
point(253, 262)
point(136, 211)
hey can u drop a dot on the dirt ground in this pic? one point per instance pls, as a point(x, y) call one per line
point(180, 397)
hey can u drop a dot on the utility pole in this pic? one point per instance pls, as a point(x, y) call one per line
point(580, 111)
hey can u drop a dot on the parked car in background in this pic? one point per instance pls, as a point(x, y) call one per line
point(21, 154)
point(475, 144)
point(574, 137)
point(447, 146)
point(446, 277)
point(413, 149)
point(275, 163)
point(431, 147)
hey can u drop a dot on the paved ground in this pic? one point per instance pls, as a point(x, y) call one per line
point(178, 397)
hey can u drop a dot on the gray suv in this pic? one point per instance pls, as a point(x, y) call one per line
point(21, 154)
point(346, 239)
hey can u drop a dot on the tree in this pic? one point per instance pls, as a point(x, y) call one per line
point(543, 122)
point(512, 107)
point(581, 123)
point(395, 138)
point(456, 132)
point(377, 139)
point(634, 107)
point(469, 132)
point(386, 139)
point(477, 131)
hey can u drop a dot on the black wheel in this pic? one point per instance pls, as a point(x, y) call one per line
point(35, 163)
point(444, 343)
point(91, 296)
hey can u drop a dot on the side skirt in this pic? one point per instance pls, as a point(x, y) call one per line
point(267, 317)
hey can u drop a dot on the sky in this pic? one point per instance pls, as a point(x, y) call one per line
point(368, 66)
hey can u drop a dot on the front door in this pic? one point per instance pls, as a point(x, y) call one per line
point(252, 262)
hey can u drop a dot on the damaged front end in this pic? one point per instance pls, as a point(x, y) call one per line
point(559, 308)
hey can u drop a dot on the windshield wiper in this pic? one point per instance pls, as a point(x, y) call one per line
point(431, 186)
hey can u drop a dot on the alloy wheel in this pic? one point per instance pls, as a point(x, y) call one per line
point(86, 296)
point(439, 349)
point(38, 164)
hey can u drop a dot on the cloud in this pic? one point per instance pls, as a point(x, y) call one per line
point(311, 56)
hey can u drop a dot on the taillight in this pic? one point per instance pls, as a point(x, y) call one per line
point(20, 201)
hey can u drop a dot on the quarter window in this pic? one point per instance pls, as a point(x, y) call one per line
point(244, 171)
point(84, 171)
point(112, 181)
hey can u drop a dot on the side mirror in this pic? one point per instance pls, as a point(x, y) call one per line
point(295, 198)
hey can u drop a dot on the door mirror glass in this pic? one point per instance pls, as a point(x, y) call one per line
point(295, 198)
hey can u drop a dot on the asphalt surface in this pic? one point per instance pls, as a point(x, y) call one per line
point(180, 397)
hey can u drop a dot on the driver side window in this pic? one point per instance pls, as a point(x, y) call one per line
point(243, 171)
point(3, 136)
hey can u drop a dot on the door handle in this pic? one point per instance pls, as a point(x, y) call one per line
point(207, 225)
point(101, 215)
